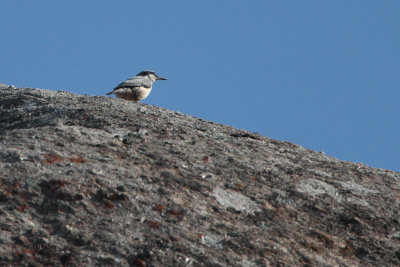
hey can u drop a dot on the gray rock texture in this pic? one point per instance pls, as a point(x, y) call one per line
point(98, 181)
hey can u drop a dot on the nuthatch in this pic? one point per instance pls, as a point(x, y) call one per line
point(136, 88)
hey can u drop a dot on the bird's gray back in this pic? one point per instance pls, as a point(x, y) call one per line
point(137, 81)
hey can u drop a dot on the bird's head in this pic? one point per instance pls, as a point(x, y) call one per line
point(151, 74)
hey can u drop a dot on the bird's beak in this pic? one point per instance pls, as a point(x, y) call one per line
point(163, 79)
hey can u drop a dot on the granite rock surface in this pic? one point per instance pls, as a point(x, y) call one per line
point(98, 181)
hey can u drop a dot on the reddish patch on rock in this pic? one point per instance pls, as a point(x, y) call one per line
point(52, 158)
point(59, 183)
point(78, 160)
point(108, 204)
point(15, 185)
point(22, 208)
point(175, 213)
point(348, 250)
point(27, 251)
point(153, 224)
point(325, 238)
point(159, 208)
point(139, 263)
point(239, 186)
point(206, 158)
point(59, 210)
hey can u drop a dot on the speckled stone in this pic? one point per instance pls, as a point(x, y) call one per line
point(99, 181)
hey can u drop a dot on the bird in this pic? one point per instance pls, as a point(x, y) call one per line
point(138, 87)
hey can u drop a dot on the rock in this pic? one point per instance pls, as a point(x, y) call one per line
point(234, 200)
point(92, 181)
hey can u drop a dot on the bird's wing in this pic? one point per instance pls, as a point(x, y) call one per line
point(147, 83)
point(136, 81)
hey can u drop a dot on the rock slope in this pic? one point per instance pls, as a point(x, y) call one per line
point(97, 181)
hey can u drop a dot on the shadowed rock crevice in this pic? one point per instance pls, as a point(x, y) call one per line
point(101, 181)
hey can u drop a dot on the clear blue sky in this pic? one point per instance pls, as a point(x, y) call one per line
point(321, 74)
